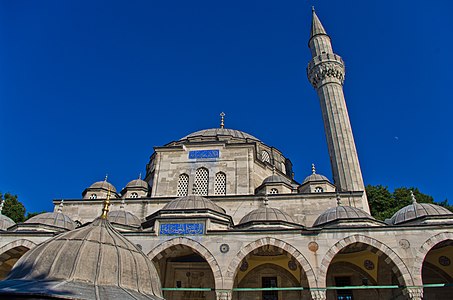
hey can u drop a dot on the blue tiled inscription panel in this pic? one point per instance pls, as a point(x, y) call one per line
point(196, 154)
point(182, 229)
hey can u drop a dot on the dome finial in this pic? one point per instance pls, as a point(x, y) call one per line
point(122, 203)
point(222, 120)
point(265, 202)
point(105, 209)
point(414, 200)
point(338, 200)
point(106, 177)
point(140, 176)
point(60, 207)
point(313, 169)
point(1, 206)
point(313, 8)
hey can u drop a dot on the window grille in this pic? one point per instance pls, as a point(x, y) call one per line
point(273, 191)
point(319, 189)
point(93, 196)
point(183, 185)
point(265, 156)
point(200, 185)
point(220, 184)
point(134, 195)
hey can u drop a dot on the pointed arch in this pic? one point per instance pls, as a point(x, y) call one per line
point(423, 251)
point(405, 278)
point(195, 246)
point(235, 263)
point(220, 183)
point(22, 242)
point(11, 253)
point(183, 185)
point(201, 182)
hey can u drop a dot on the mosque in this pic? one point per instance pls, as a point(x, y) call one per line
point(219, 216)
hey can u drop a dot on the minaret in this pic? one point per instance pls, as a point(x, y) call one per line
point(326, 73)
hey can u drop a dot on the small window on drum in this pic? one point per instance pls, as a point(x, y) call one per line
point(183, 185)
point(93, 196)
point(273, 191)
point(319, 189)
point(134, 195)
point(265, 156)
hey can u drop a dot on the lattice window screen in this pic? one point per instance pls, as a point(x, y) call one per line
point(265, 156)
point(220, 184)
point(183, 185)
point(134, 195)
point(273, 191)
point(200, 185)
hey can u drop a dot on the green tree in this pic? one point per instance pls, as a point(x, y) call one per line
point(13, 208)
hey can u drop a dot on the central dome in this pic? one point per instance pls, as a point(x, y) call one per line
point(217, 132)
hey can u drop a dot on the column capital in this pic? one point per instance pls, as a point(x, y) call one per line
point(224, 294)
point(413, 293)
point(319, 294)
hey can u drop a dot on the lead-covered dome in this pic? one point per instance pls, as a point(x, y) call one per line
point(104, 185)
point(124, 218)
point(53, 219)
point(340, 212)
point(5, 222)
point(417, 210)
point(276, 179)
point(137, 183)
point(266, 213)
point(219, 132)
point(91, 262)
point(193, 203)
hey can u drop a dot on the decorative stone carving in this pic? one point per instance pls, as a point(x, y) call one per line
point(318, 294)
point(321, 71)
point(405, 244)
point(414, 293)
point(223, 294)
point(313, 246)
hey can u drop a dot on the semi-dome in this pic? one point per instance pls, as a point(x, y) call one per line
point(416, 210)
point(191, 203)
point(124, 218)
point(341, 212)
point(105, 185)
point(91, 262)
point(137, 183)
point(55, 219)
point(266, 213)
point(276, 179)
point(216, 132)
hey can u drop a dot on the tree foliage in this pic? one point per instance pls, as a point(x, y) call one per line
point(384, 204)
point(13, 208)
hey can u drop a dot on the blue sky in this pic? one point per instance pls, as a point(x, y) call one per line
point(90, 87)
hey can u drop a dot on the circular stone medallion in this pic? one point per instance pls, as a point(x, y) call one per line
point(368, 264)
point(224, 248)
point(444, 261)
point(244, 266)
point(292, 265)
point(313, 246)
point(404, 244)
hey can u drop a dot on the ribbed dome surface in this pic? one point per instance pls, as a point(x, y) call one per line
point(215, 132)
point(137, 183)
point(123, 217)
point(91, 262)
point(341, 212)
point(5, 222)
point(416, 210)
point(266, 214)
point(276, 179)
point(193, 202)
point(315, 177)
point(103, 185)
point(57, 219)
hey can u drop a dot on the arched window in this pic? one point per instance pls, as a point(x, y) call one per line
point(220, 184)
point(265, 156)
point(93, 196)
point(134, 195)
point(319, 189)
point(200, 185)
point(273, 191)
point(183, 185)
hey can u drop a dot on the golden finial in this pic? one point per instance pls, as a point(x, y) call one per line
point(105, 209)
point(222, 120)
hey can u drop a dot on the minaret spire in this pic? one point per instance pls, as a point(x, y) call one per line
point(326, 73)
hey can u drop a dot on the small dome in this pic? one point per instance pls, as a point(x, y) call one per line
point(266, 214)
point(5, 222)
point(103, 185)
point(276, 179)
point(91, 262)
point(341, 213)
point(137, 183)
point(193, 202)
point(56, 219)
point(417, 210)
point(314, 177)
point(125, 218)
point(215, 132)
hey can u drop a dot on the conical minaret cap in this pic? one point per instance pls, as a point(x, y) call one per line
point(316, 26)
